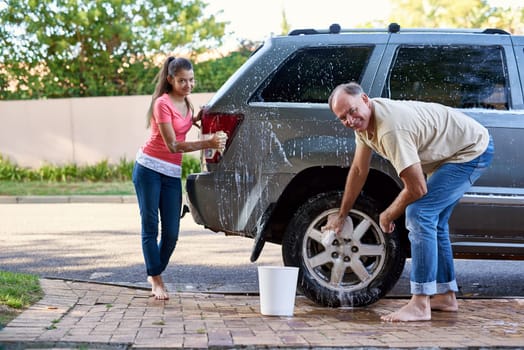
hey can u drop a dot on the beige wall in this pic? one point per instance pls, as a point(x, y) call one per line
point(77, 130)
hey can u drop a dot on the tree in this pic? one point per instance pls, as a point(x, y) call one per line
point(65, 48)
point(212, 74)
point(456, 14)
point(510, 19)
point(284, 24)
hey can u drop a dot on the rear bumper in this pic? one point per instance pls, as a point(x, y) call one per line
point(190, 190)
point(222, 202)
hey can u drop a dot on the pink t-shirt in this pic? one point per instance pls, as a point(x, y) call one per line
point(165, 112)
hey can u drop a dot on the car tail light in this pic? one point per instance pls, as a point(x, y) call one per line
point(213, 122)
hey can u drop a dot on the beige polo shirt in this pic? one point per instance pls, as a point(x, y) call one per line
point(408, 132)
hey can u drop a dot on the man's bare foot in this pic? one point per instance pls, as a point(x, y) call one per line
point(158, 289)
point(444, 302)
point(418, 309)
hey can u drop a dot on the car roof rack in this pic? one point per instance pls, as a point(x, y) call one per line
point(394, 28)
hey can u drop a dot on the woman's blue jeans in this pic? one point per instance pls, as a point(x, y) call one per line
point(432, 269)
point(158, 194)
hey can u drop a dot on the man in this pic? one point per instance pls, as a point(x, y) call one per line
point(438, 153)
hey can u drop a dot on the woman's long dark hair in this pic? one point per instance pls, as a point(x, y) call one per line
point(171, 66)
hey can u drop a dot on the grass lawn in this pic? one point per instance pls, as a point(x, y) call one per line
point(17, 292)
point(43, 188)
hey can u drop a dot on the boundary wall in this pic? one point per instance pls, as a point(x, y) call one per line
point(82, 131)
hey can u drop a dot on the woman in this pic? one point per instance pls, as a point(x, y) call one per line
point(157, 171)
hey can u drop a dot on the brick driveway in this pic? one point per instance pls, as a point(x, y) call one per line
point(79, 314)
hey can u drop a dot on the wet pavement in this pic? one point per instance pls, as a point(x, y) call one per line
point(91, 315)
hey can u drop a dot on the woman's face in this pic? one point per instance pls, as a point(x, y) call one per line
point(183, 82)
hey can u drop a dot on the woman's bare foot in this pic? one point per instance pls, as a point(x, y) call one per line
point(444, 302)
point(418, 309)
point(158, 289)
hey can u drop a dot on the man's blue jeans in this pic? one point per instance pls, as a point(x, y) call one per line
point(432, 269)
point(158, 193)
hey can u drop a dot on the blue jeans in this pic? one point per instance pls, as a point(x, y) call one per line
point(432, 269)
point(158, 194)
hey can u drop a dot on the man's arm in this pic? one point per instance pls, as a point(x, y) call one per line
point(414, 188)
point(355, 181)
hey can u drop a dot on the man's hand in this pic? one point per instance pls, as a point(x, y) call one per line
point(334, 223)
point(414, 188)
point(386, 224)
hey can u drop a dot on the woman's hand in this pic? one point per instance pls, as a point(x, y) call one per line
point(198, 117)
point(218, 141)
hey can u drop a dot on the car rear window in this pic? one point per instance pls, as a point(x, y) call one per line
point(457, 76)
point(311, 74)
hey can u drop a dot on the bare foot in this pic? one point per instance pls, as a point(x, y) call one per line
point(158, 289)
point(418, 309)
point(444, 302)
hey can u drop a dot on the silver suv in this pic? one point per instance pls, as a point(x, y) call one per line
point(287, 157)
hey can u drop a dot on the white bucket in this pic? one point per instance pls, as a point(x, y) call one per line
point(277, 286)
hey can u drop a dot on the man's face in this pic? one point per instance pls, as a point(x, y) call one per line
point(353, 111)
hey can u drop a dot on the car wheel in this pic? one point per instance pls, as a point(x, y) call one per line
point(355, 269)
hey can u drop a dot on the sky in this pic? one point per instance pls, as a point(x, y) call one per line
point(259, 19)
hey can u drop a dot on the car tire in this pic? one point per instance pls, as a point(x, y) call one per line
point(356, 269)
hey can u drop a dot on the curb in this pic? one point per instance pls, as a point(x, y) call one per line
point(67, 199)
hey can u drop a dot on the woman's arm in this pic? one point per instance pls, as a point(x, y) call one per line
point(218, 141)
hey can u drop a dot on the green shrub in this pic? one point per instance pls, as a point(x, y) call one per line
point(190, 165)
point(10, 171)
point(102, 171)
point(124, 170)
